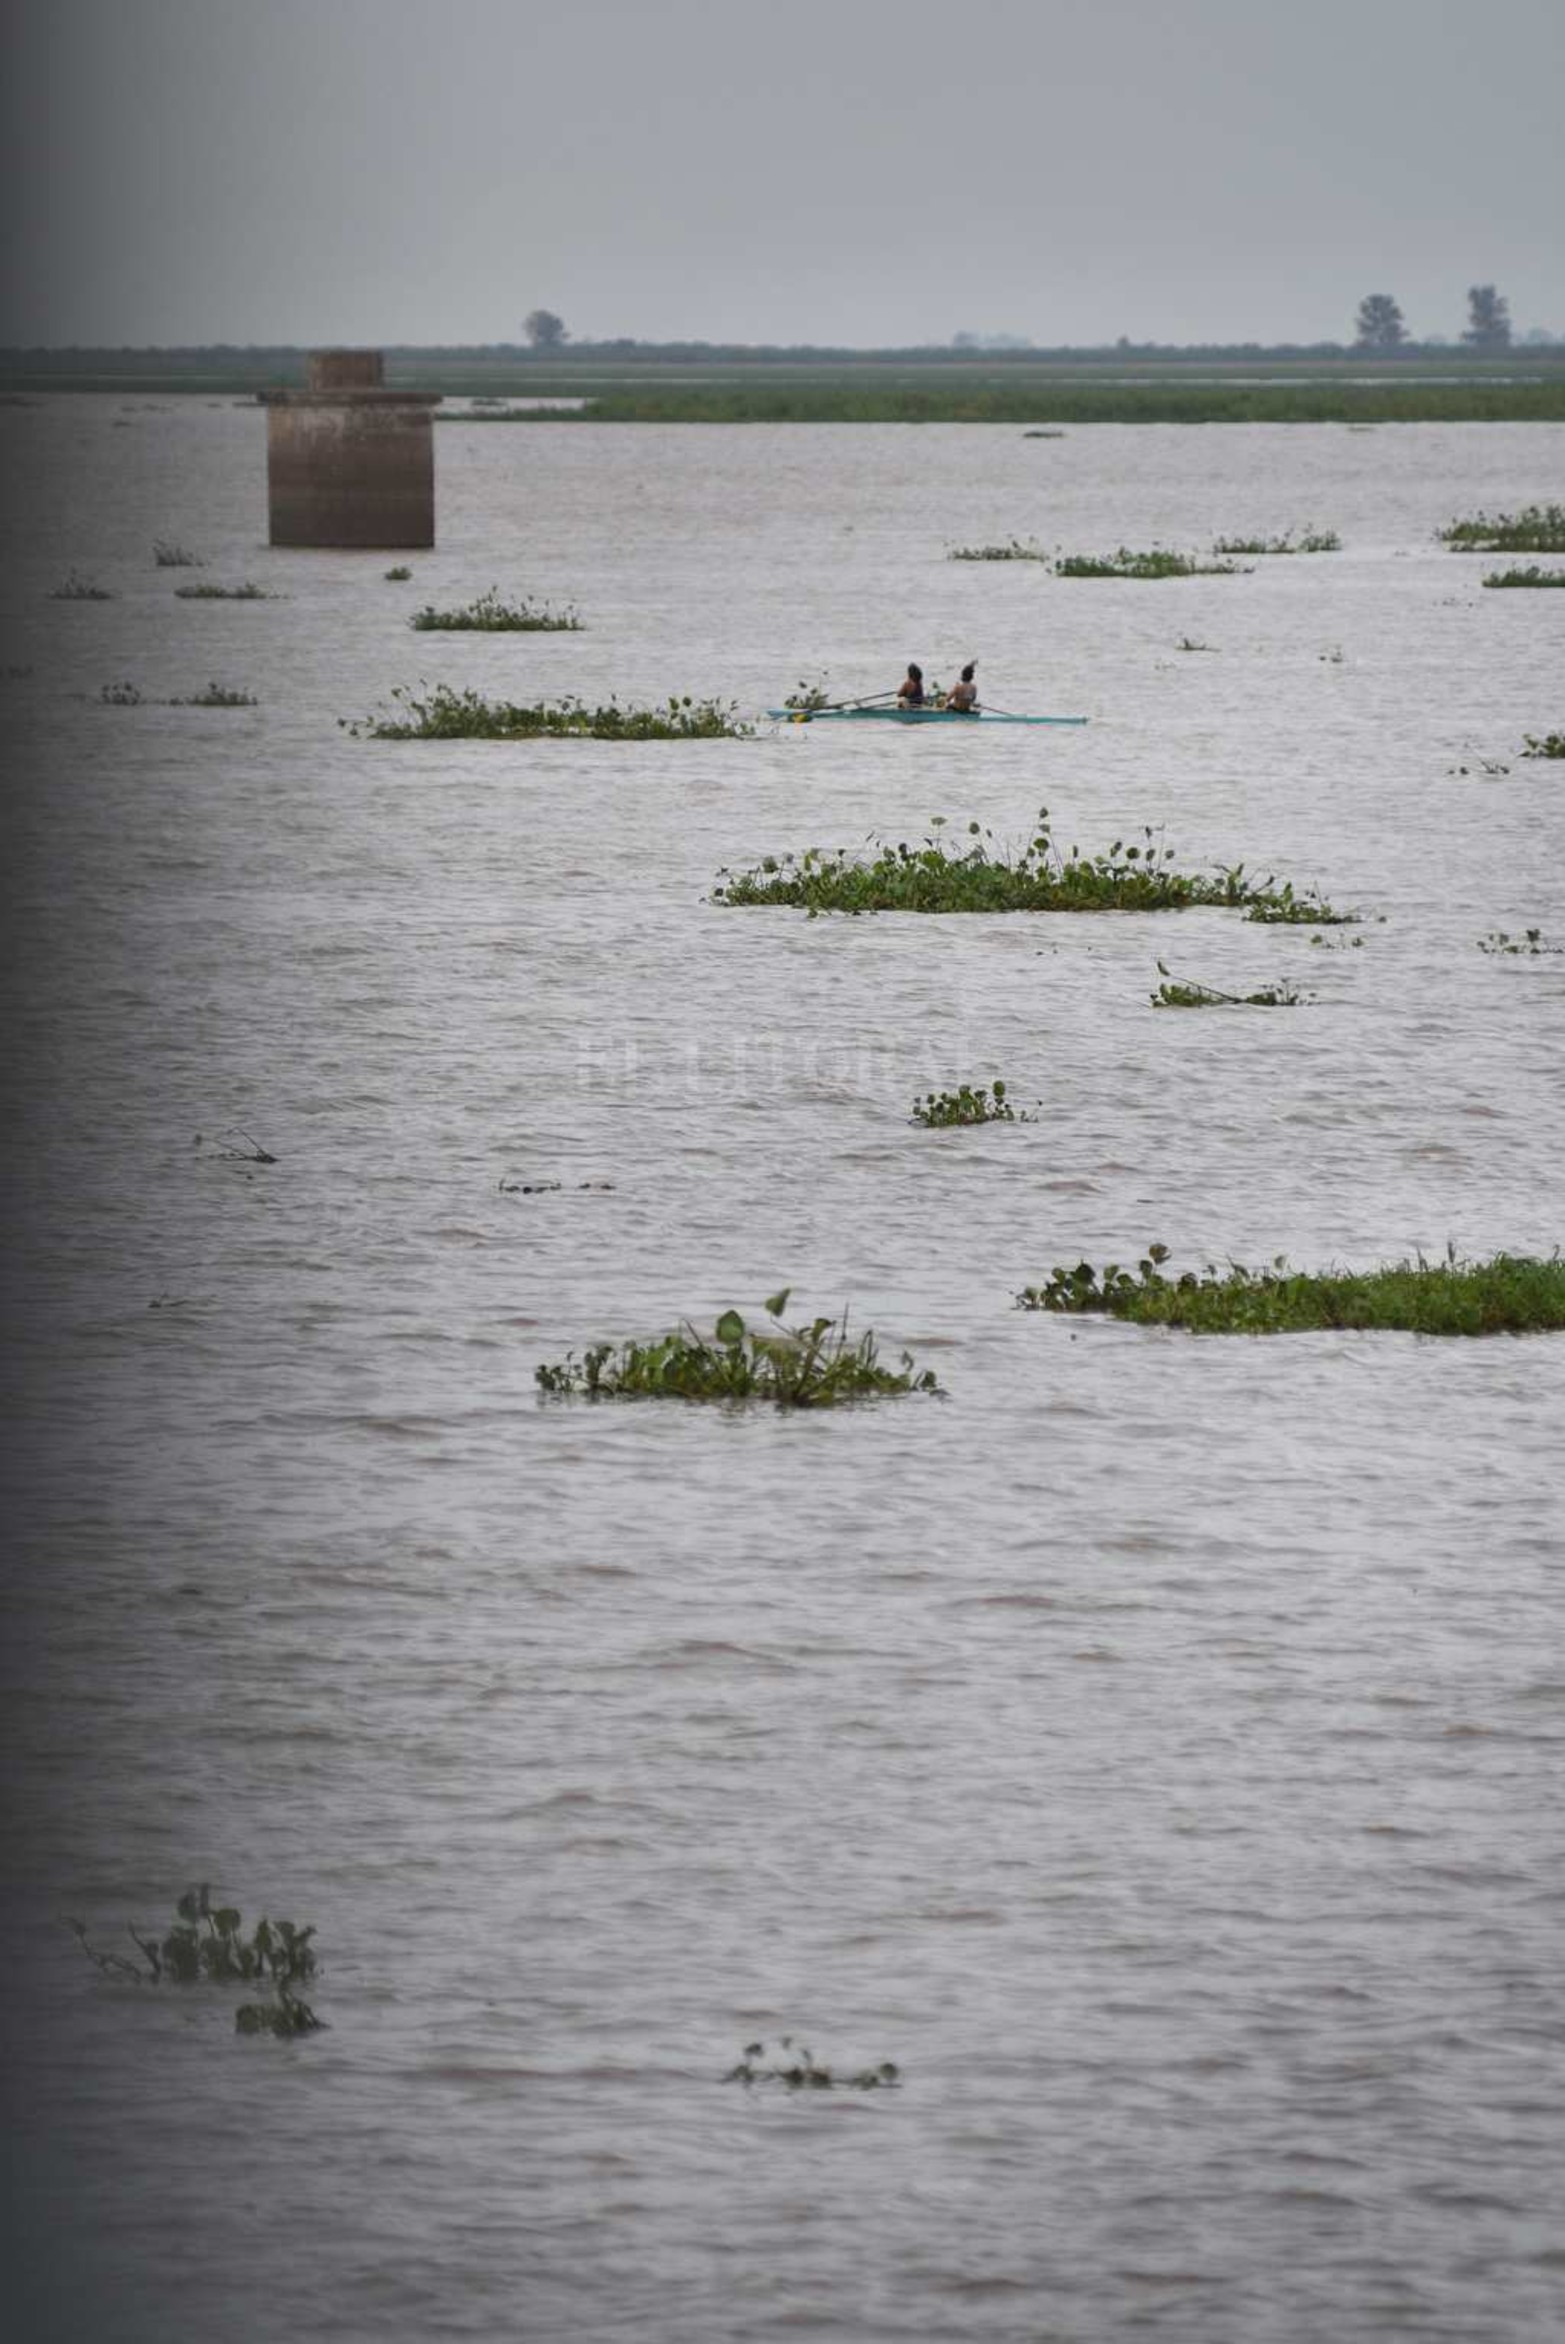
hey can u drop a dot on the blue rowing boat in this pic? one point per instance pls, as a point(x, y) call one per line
point(911, 716)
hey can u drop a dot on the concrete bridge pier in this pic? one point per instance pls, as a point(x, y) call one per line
point(349, 463)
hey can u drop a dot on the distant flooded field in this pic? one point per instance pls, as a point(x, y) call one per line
point(1147, 1746)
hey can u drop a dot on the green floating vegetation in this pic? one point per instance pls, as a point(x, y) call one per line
point(444, 714)
point(206, 1944)
point(218, 696)
point(1530, 944)
point(806, 695)
point(1047, 431)
point(1512, 1294)
point(1036, 878)
point(1308, 541)
point(1157, 562)
point(1543, 744)
point(1173, 994)
point(800, 2071)
point(1531, 576)
point(75, 588)
point(398, 575)
point(248, 592)
point(972, 1103)
point(1187, 643)
point(1013, 550)
point(170, 556)
point(1536, 529)
point(491, 614)
point(818, 1366)
point(129, 695)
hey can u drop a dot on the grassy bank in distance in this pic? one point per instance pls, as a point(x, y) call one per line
point(695, 383)
point(1049, 399)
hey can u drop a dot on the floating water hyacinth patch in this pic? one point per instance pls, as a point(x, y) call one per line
point(814, 1366)
point(206, 1945)
point(1157, 562)
point(970, 1103)
point(1013, 550)
point(74, 588)
point(444, 714)
point(491, 614)
point(1536, 529)
point(248, 592)
point(1173, 994)
point(1512, 1294)
point(170, 556)
point(1035, 877)
point(1529, 944)
point(798, 2070)
point(1308, 541)
point(1530, 576)
point(1543, 744)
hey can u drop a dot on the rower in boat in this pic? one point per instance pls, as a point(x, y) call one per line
point(910, 692)
point(962, 699)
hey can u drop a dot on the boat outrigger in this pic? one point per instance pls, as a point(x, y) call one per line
point(913, 716)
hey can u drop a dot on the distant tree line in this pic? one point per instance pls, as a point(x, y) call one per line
point(1382, 327)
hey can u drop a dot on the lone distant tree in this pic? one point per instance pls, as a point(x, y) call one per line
point(1488, 319)
point(544, 330)
point(1380, 324)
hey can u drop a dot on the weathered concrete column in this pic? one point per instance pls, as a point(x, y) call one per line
point(349, 463)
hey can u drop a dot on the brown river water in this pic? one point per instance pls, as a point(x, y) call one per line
point(1154, 1747)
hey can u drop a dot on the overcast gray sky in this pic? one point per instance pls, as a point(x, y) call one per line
point(856, 171)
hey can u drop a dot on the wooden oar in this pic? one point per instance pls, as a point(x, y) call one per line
point(834, 707)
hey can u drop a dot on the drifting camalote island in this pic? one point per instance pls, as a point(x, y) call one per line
point(1512, 1294)
point(491, 614)
point(1034, 877)
point(816, 1366)
point(441, 713)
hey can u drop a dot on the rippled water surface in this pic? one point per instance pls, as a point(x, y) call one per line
point(1154, 1747)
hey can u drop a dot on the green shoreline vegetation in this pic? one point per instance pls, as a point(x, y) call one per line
point(1060, 402)
point(442, 713)
point(1034, 878)
point(491, 614)
point(818, 1366)
point(1512, 1294)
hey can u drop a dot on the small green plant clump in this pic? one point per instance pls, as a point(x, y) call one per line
point(1308, 541)
point(491, 614)
point(929, 878)
point(1158, 562)
point(1543, 744)
point(1511, 1294)
point(170, 556)
point(1172, 994)
point(397, 576)
point(248, 592)
point(971, 1103)
point(1013, 550)
point(1529, 943)
point(206, 1943)
point(1536, 529)
point(817, 1366)
point(1530, 576)
point(1043, 431)
point(444, 714)
point(1188, 643)
point(75, 588)
point(121, 696)
point(806, 695)
point(800, 2071)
